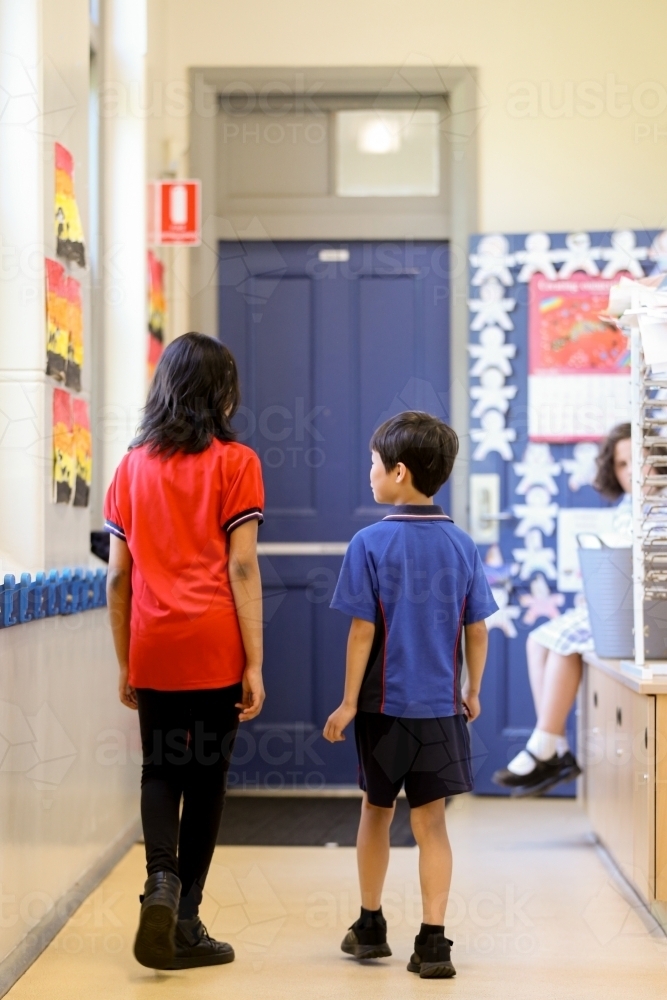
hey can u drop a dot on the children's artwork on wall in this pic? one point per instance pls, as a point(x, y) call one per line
point(57, 319)
point(623, 255)
point(491, 393)
point(506, 614)
point(69, 233)
point(578, 256)
point(582, 467)
point(64, 324)
point(537, 258)
point(491, 436)
point(83, 452)
point(492, 260)
point(578, 365)
point(75, 334)
point(537, 512)
point(541, 602)
point(491, 352)
point(534, 557)
point(548, 334)
point(496, 570)
point(657, 253)
point(64, 461)
point(491, 307)
point(537, 468)
point(156, 311)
